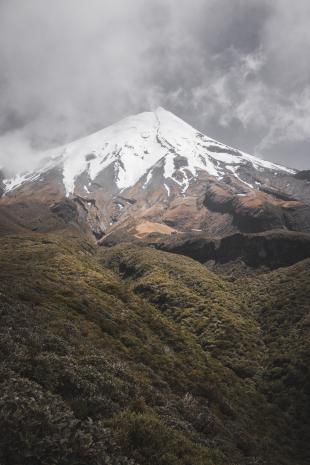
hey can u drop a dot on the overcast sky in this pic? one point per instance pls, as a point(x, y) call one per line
point(238, 70)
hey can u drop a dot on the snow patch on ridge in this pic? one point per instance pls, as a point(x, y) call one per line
point(167, 189)
point(148, 178)
point(18, 180)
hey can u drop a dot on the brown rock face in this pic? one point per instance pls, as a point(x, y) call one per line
point(218, 208)
point(256, 211)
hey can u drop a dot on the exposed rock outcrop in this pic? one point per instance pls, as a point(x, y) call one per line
point(272, 249)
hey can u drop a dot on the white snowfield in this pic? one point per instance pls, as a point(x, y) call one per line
point(135, 145)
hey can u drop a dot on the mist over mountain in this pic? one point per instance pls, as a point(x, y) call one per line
point(234, 70)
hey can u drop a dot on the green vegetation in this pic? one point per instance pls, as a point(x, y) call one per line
point(130, 355)
point(282, 308)
point(196, 299)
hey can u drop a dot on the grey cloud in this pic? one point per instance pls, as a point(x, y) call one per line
point(235, 69)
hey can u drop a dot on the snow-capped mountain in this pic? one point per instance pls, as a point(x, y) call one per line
point(154, 166)
point(137, 144)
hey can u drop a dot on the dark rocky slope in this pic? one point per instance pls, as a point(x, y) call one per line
point(271, 249)
point(303, 175)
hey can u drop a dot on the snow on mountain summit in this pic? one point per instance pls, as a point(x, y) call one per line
point(136, 144)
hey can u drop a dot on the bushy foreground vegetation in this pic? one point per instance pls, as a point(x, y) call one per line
point(135, 356)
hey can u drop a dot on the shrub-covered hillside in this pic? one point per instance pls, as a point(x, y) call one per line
point(130, 355)
point(258, 327)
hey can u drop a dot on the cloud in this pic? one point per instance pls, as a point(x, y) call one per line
point(264, 95)
point(17, 153)
point(237, 70)
point(291, 124)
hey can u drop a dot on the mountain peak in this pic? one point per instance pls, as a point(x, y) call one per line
point(155, 171)
point(162, 112)
point(131, 148)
